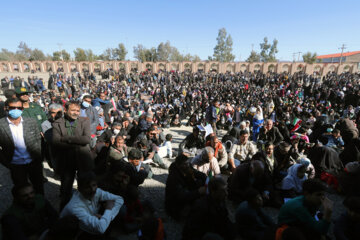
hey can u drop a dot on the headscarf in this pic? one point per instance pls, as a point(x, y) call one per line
point(291, 181)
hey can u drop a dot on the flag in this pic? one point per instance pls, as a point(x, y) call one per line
point(296, 123)
point(328, 104)
point(113, 103)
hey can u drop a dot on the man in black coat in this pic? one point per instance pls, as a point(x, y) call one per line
point(247, 176)
point(183, 186)
point(71, 139)
point(270, 133)
point(209, 214)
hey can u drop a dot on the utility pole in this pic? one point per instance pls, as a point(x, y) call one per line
point(252, 47)
point(342, 51)
point(294, 57)
point(299, 55)
point(60, 45)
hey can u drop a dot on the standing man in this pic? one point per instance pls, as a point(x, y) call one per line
point(89, 112)
point(55, 112)
point(20, 146)
point(211, 114)
point(71, 139)
point(31, 110)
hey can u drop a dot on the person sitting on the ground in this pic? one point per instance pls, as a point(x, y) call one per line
point(140, 170)
point(251, 220)
point(230, 138)
point(242, 151)
point(145, 123)
point(219, 151)
point(291, 185)
point(334, 139)
point(210, 214)
point(347, 226)
point(29, 215)
point(118, 151)
point(270, 133)
point(284, 158)
point(206, 162)
point(300, 211)
point(176, 121)
point(247, 176)
point(117, 179)
point(350, 178)
point(326, 162)
point(110, 134)
point(167, 144)
point(150, 154)
point(86, 204)
point(192, 142)
point(267, 157)
point(183, 186)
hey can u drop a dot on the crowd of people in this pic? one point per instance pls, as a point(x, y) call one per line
point(291, 139)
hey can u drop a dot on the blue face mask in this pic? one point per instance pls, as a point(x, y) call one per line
point(15, 113)
point(85, 104)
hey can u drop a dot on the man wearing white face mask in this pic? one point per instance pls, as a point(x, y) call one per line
point(110, 134)
point(20, 146)
point(89, 112)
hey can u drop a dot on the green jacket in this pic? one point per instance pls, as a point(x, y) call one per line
point(36, 112)
point(294, 212)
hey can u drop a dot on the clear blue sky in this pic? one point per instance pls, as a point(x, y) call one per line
point(191, 26)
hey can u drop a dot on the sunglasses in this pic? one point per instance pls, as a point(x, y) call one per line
point(12, 108)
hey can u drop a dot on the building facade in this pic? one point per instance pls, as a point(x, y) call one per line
point(206, 66)
point(347, 57)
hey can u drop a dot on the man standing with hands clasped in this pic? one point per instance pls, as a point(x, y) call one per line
point(71, 139)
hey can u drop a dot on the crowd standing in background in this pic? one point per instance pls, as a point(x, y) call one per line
point(291, 138)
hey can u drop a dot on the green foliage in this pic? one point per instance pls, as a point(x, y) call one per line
point(139, 53)
point(23, 53)
point(254, 57)
point(65, 55)
point(223, 48)
point(6, 55)
point(163, 53)
point(196, 58)
point(80, 55)
point(90, 56)
point(121, 52)
point(111, 54)
point(309, 57)
point(56, 56)
point(268, 50)
point(37, 55)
